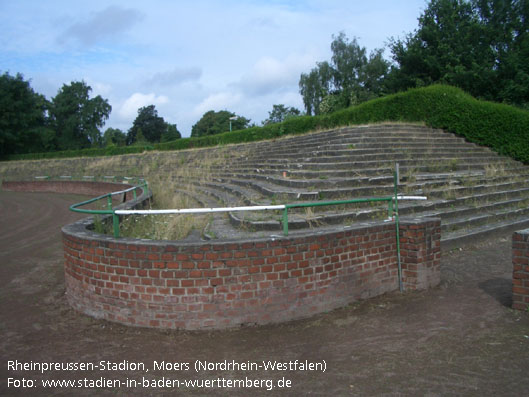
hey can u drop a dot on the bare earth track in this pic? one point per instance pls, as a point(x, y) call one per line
point(458, 339)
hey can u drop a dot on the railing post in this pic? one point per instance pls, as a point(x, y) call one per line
point(109, 201)
point(396, 206)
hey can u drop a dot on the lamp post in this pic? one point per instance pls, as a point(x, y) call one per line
point(233, 118)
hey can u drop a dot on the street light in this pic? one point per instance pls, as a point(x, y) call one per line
point(233, 118)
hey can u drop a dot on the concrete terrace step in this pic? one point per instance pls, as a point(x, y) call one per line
point(385, 159)
point(370, 154)
point(366, 146)
point(338, 188)
point(453, 239)
point(473, 190)
point(423, 154)
point(453, 220)
point(361, 166)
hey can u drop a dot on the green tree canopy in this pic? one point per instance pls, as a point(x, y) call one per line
point(23, 121)
point(217, 122)
point(481, 46)
point(114, 136)
point(76, 118)
point(280, 113)
point(171, 133)
point(351, 77)
point(153, 127)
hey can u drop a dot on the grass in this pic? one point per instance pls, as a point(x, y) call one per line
point(176, 192)
point(449, 165)
point(495, 170)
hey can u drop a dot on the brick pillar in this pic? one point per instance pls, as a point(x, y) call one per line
point(520, 270)
point(420, 252)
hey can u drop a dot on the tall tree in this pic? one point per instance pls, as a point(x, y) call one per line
point(212, 123)
point(153, 127)
point(506, 24)
point(23, 121)
point(481, 46)
point(77, 118)
point(280, 113)
point(351, 77)
point(315, 86)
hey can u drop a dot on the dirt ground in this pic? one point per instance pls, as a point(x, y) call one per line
point(458, 339)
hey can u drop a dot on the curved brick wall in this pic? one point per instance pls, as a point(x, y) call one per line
point(224, 284)
point(169, 284)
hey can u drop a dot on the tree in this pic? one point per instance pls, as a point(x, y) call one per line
point(76, 118)
point(350, 78)
point(481, 46)
point(281, 113)
point(315, 86)
point(506, 23)
point(114, 136)
point(171, 133)
point(212, 123)
point(23, 118)
point(153, 127)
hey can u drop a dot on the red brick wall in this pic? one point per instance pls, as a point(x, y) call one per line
point(226, 284)
point(520, 271)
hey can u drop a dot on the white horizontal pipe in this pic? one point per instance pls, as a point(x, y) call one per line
point(224, 209)
point(412, 198)
point(200, 210)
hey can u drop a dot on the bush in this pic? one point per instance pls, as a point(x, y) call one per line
point(503, 128)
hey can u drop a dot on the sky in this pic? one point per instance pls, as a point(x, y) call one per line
point(188, 57)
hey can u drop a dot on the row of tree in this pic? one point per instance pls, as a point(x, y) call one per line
point(71, 120)
point(31, 123)
point(481, 46)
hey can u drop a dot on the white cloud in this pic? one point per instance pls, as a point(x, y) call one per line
point(272, 75)
point(99, 88)
point(218, 101)
point(129, 109)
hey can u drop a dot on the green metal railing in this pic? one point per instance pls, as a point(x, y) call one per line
point(109, 210)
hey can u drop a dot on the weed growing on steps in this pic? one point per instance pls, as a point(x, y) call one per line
point(449, 165)
point(495, 170)
point(168, 194)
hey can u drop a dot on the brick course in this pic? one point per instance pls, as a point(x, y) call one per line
point(168, 284)
point(520, 271)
